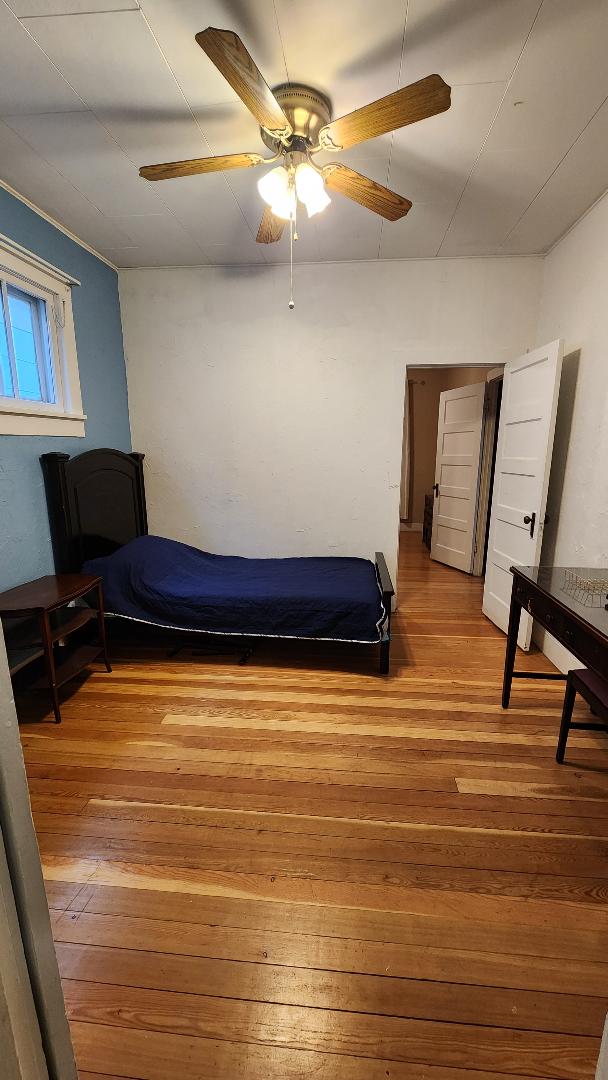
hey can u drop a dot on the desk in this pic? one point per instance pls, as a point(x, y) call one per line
point(545, 592)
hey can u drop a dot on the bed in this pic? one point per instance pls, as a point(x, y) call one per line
point(97, 513)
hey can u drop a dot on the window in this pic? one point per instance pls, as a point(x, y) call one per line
point(25, 350)
point(39, 383)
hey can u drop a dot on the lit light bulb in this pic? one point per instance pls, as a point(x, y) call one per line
point(276, 190)
point(310, 189)
point(285, 206)
point(274, 185)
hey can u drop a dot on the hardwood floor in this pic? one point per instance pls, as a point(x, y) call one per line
point(284, 870)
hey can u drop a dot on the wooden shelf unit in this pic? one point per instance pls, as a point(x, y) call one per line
point(42, 618)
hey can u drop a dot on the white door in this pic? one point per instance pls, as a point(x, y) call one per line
point(521, 477)
point(457, 475)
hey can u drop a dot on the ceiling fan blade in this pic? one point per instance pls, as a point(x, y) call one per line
point(367, 192)
point(271, 228)
point(226, 50)
point(194, 166)
point(415, 102)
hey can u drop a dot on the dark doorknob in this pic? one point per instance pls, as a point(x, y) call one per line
point(530, 519)
point(436, 489)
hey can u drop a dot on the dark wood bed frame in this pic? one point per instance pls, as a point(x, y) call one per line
point(97, 503)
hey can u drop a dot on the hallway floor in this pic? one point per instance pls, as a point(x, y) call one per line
point(298, 868)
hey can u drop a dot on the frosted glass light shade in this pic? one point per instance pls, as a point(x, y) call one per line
point(310, 189)
point(316, 205)
point(275, 189)
point(284, 205)
point(274, 185)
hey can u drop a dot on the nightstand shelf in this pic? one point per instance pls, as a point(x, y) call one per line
point(65, 621)
point(73, 664)
point(20, 656)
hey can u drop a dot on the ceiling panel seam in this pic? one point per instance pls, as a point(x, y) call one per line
point(53, 168)
point(480, 82)
point(86, 108)
point(390, 149)
point(492, 122)
point(194, 118)
point(67, 14)
point(276, 19)
point(192, 114)
point(553, 171)
point(45, 54)
point(81, 112)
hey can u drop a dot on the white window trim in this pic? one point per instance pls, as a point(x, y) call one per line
point(39, 278)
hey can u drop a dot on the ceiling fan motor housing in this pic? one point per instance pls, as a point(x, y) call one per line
point(307, 109)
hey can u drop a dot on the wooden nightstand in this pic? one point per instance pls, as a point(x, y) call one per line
point(43, 605)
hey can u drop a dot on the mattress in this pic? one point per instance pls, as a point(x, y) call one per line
point(168, 584)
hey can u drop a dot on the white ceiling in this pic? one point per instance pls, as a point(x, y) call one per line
point(92, 89)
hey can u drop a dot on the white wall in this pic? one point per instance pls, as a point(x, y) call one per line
point(574, 306)
point(270, 432)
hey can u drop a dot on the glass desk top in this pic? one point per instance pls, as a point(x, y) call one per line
point(581, 589)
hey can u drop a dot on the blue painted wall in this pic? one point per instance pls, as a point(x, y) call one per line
point(25, 545)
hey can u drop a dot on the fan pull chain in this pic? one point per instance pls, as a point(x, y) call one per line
point(291, 239)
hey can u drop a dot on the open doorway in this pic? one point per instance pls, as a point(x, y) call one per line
point(451, 410)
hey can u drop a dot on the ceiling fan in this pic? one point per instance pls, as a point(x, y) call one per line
point(295, 124)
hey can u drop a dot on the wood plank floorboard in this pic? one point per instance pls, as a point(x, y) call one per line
point(297, 867)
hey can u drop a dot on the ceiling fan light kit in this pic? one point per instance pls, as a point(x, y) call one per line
point(295, 123)
point(282, 187)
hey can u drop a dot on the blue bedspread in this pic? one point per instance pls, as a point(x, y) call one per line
point(170, 584)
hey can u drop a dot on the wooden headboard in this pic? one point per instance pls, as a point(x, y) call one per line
point(96, 503)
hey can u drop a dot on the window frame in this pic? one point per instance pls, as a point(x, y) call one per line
point(33, 276)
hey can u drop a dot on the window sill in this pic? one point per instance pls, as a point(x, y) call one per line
point(15, 421)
